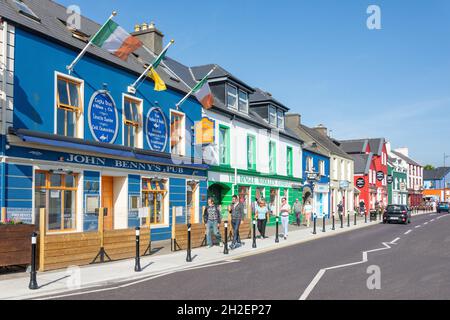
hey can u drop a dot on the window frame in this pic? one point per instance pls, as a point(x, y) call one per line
point(227, 145)
point(273, 158)
point(251, 166)
point(183, 130)
point(236, 106)
point(272, 107)
point(246, 101)
point(282, 119)
point(289, 161)
point(163, 192)
point(78, 111)
point(322, 168)
point(137, 125)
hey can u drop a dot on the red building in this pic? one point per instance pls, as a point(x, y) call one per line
point(370, 156)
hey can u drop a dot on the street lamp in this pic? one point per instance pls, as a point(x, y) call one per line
point(445, 183)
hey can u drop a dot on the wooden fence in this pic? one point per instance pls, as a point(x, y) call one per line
point(58, 251)
point(15, 244)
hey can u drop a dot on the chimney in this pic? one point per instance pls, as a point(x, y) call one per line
point(322, 130)
point(293, 120)
point(150, 36)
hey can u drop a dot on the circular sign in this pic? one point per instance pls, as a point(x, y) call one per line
point(380, 175)
point(156, 130)
point(390, 179)
point(102, 117)
point(361, 183)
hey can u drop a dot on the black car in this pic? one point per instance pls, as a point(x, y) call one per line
point(398, 214)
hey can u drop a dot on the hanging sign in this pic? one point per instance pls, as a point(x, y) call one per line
point(360, 183)
point(156, 130)
point(204, 132)
point(380, 175)
point(103, 118)
point(390, 179)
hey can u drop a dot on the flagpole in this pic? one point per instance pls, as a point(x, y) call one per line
point(82, 53)
point(192, 90)
point(133, 86)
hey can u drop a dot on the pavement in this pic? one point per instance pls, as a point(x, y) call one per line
point(245, 273)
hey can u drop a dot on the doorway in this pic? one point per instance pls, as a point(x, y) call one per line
point(108, 202)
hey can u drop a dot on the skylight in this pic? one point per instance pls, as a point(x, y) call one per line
point(25, 10)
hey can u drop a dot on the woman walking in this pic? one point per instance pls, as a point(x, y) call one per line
point(262, 211)
point(285, 210)
point(307, 211)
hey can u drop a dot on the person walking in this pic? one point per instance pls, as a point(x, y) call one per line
point(237, 214)
point(307, 212)
point(212, 219)
point(340, 208)
point(362, 208)
point(285, 210)
point(298, 211)
point(262, 211)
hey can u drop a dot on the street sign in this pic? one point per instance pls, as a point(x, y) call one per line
point(344, 184)
point(390, 179)
point(361, 183)
point(380, 175)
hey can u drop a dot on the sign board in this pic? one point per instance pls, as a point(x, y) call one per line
point(143, 213)
point(322, 188)
point(380, 175)
point(179, 211)
point(250, 180)
point(390, 179)
point(361, 183)
point(344, 185)
point(312, 176)
point(204, 131)
point(156, 130)
point(103, 118)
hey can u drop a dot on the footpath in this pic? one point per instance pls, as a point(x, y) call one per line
point(99, 275)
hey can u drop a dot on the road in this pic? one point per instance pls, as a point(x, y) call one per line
point(413, 261)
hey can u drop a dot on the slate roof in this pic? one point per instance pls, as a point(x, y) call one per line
point(407, 159)
point(51, 27)
point(362, 163)
point(260, 96)
point(326, 142)
point(376, 145)
point(354, 146)
point(436, 174)
point(199, 72)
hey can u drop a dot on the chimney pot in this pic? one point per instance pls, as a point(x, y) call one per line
point(151, 37)
point(137, 28)
point(144, 26)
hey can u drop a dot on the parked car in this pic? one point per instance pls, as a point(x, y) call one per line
point(398, 214)
point(443, 207)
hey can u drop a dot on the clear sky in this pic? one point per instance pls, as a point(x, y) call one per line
point(319, 58)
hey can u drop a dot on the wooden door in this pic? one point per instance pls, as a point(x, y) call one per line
point(108, 201)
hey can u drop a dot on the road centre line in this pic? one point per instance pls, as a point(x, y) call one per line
point(408, 232)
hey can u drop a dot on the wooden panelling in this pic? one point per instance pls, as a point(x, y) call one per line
point(15, 244)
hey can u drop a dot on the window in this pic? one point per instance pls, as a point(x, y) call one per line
point(243, 101)
point(224, 145)
point(273, 157)
point(322, 168)
point(25, 10)
point(69, 106)
point(232, 97)
point(272, 115)
point(251, 152)
point(177, 133)
point(153, 195)
point(280, 116)
point(309, 164)
point(289, 162)
point(57, 194)
point(132, 122)
point(342, 175)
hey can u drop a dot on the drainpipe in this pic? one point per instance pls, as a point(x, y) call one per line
point(3, 105)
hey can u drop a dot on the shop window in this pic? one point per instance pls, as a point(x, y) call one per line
point(289, 162)
point(273, 205)
point(244, 197)
point(153, 195)
point(260, 193)
point(57, 194)
point(251, 152)
point(132, 122)
point(69, 107)
point(177, 133)
point(273, 157)
point(224, 145)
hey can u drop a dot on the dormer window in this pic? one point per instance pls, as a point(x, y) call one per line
point(272, 115)
point(280, 118)
point(232, 97)
point(25, 10)
point(243, 101)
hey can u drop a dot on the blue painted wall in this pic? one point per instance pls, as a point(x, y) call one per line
point(19, 192)
point(91, 187)
point(34, 90)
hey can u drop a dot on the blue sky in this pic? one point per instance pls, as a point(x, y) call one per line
point(320, 59)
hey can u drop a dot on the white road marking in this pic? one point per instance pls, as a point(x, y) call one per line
point(425, 223)
point(320, 274)
point(138, 281)
point(408, 232)
point(433, 220)
point(417, 227)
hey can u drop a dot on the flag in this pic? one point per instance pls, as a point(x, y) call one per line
point(116, 40)
point(159, 83)
point(203, 93)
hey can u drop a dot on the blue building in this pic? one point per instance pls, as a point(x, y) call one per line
point(72, 143)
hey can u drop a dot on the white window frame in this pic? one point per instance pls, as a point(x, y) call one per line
point(80, 119)
point(273, 108)
point(236, 106)
point(140, 135)
point(322, 168)
point(246, 101)
point(183, 130)
point(280, 119)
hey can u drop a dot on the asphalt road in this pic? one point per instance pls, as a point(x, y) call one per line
point(414, 263)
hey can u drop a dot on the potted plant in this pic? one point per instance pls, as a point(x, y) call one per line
point(15, 242)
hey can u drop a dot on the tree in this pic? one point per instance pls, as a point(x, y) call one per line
point(429, 167)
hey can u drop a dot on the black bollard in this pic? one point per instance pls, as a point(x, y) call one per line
point(225, 247)
point(189, 256)
point(365, 217)
point(277, 236)
point(137, 264)
point(341, 216)
point(356, 217)
point(348, 219)
point(324, 224)
point(254, 234)
point(334, 223)
point(33, 283)
point(315, 225)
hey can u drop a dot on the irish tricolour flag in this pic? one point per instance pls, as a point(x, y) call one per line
point(203, 93)
point(116, 40)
